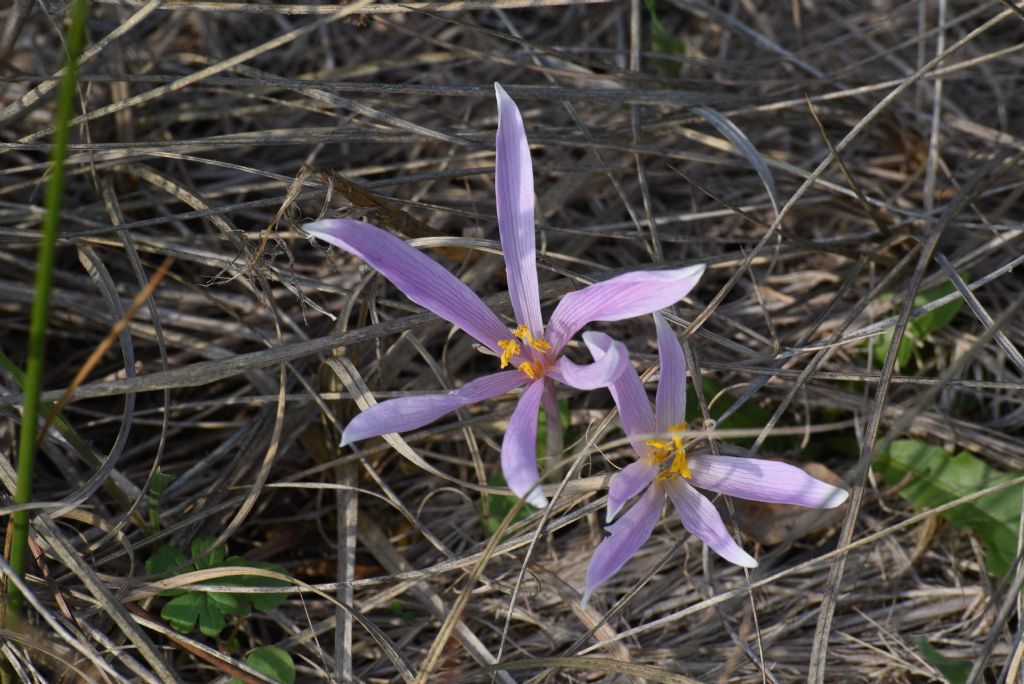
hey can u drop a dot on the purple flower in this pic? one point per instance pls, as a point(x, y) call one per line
point(747, 478)
point(535, 352)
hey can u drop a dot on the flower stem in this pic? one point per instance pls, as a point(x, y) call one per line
point(41, 302)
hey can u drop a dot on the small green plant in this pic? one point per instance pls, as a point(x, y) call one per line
point(272, 661)
point(665, 44)
point(955, 671)
point(921, 327)
point(209, 608)
point(494, 507)
point(939, 477)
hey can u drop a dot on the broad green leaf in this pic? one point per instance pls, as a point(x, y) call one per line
point(663, 43)
point(262, 602)
point(940, 478)
point(955, 671)
point(167, 558)
point(215, 558)
point(272, 661)
point(232, 604)
point(183, 611)
point(211, 619)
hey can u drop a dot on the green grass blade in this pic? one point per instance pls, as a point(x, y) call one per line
point(41, 301)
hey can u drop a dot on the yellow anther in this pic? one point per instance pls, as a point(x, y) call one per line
point(679, 465)
point(523, 333)
point(509, 348)
point(675, 447)
point(532, 370)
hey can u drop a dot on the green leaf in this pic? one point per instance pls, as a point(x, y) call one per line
point(955, 671)
point(922, 326)
point(932, 321)
point(262, 602)
point(272, 661)
point(750, 415)
point(167, 558)
point(211, 620)
point(940, 478)
point(182, 612)
point(157, 486)
point(662, 42)
point(400, 610)
point(232, 604)
point(215, 558)
point(499, 506)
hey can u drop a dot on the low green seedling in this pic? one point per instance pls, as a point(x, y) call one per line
point(209, 608)
point(940, 477)
point(272, 661)
point(663, 43)
point(494, 507)
point(919, 328)
point(953, 670)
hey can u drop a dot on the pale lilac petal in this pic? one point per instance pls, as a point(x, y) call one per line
point(629, 395)
point(423, 280)
point(627, 483)
point(626, 296)
point(408, 413)
point(671, 398)
point(556, 439)
point(699, 516)
point(519, 448)
point(602, 373)
point(627, 536)
point(758, 479)
point(513, 191)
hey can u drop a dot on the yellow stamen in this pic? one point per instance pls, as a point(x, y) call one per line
point(509, 348)
point(532, 370)
point(523, 333)
point(679, 465)
point(663, 448)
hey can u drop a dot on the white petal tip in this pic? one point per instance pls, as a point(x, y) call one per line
point(585, 600)
point(537, 499)
point(499, 91)
point(315, 227)
point(747, 562)
point(836, 498)
point(346, 439)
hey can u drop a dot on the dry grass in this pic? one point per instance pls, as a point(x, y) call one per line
point(198, 119)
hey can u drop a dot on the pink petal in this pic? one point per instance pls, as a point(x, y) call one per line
point(629, 395)
point(699, 516)
point(627, 536)
point(671, 398)
point(627, 483)
point(519, 448)
point(602, 373)
point(423, 280)
point(513, 190)
point(408, 413)
point(763, 480)
point(626, 296)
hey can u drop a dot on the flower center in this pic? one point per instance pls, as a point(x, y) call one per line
point(510, 347)
point(663, 449)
